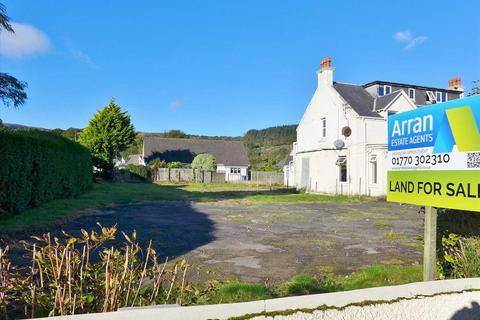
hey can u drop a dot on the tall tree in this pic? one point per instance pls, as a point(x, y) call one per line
point(12, 90)
point(108, 133)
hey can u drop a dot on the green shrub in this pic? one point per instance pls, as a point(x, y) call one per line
point(241, 292)
point(469, 257)
point(204, 161)
point(304, 284)
point(174, 164)
point(138, 171)
point(38, 166)
point(461, 257)
point(156, 164)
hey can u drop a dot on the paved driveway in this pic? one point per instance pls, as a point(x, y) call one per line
point(258, 242)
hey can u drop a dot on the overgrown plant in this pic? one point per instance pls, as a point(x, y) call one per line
point(461, 256)
point(83, 274)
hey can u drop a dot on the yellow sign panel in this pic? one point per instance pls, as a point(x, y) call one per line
point(459, 189)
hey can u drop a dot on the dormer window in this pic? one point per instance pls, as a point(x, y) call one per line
point(441, 96)
point(411, 93)
point(384, 90)
point(430, 97)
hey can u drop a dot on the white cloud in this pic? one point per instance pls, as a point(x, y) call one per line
point(407, 38)
point(78, 54)
point(176, 104)
point(26, 41)
point(82, 56)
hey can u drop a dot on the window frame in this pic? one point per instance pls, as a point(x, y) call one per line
point(374, 169)
point(324, 127)
point(342, 164)
point(389, 89)
point(411, 96)
point(383, 91)
point(429, 96)
point(384, 88)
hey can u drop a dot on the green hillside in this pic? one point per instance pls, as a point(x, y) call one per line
point(267, 147)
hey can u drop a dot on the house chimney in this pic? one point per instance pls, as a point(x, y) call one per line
point(325, 73)
point(455, 84)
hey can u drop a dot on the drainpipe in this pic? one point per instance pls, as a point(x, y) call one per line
point(366, 156)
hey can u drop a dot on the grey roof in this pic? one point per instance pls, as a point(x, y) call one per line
point(230, 153)
point(134, 159)
point(406, 85)
point(358, 98)
point(382, 102)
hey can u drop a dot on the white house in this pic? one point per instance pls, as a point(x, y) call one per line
point(230, 156)
point(341, 145)
point(136, 159)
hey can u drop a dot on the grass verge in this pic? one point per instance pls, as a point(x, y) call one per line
point(366, 277)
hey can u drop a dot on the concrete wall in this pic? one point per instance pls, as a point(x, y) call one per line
point(436, 300)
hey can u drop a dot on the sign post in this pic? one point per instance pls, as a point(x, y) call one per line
point(430, 246)
point(434, 161)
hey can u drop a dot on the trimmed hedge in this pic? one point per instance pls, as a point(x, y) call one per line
point(38, 166)
point(138, 171)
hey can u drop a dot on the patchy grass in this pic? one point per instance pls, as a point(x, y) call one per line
point(304, 197)
point(327, 269)
point(302, 284)
point(382, 225)
point(323, 243)
point(392, 262)
point(378, 275)
point(395, 235)
point(101, 195)
point(306, 284)
point(241, 292)
point(109, 194)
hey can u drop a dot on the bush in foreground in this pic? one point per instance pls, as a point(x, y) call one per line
point(84, 274)
point(38, 166)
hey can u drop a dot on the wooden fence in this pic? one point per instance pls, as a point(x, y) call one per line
point(187, 175)
point(266, 177)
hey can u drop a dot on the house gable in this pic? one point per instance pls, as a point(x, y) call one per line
point(399, 103)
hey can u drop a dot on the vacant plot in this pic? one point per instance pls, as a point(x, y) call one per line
point(249, 236)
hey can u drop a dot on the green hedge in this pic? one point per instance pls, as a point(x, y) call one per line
point(138, 171)
point(38, 166)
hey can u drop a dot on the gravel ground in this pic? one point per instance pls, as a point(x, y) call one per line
point(271, 242)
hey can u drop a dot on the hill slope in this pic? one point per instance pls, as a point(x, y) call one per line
point(267, 147)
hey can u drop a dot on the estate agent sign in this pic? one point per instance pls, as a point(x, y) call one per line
point(434, 155)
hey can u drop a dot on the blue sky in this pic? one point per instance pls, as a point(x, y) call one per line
point(223, 67)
